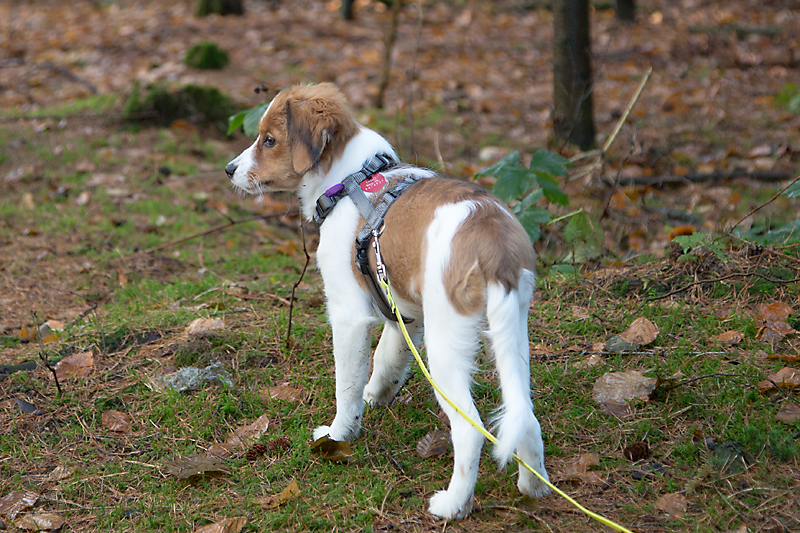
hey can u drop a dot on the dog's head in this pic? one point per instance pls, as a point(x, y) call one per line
point(305, 127)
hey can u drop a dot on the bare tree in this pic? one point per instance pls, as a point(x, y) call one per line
point(626, 10)
point(347, 9)
point(572, 73)
point(219, 7)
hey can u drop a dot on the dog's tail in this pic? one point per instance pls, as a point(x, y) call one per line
point(507, 314)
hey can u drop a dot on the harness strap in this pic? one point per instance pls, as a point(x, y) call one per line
point(373, 216)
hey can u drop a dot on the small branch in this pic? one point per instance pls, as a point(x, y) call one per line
point(627, 112)
point(221, 227)
point(723, 278)
point(387, 54)
point(697, 177)
point(766, 203)
point(297, 283)
point(43, 354)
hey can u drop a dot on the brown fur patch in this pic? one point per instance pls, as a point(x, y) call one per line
point(311, 125)
point(489, 247)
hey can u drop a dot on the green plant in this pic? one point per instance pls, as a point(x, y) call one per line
point(524, 187)
point(697, 241)
point(206, 55)
point(789, 97)
point(194, 103)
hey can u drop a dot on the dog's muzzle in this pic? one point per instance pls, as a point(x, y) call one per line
point(230, 169)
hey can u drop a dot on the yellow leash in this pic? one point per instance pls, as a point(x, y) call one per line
point(384, 282)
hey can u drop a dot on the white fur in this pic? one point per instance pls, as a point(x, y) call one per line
point(451, 339)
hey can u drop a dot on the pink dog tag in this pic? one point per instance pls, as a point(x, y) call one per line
point(374, 183)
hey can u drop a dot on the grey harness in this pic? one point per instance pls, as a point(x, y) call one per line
point(373, 216)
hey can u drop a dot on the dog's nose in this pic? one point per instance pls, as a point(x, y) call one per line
point(230, 170)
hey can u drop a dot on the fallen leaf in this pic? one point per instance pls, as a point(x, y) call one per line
point(229, 525)
point(61, 472)
point(122, 277)
point(729, 337)
point(332, 450)
point(283, 392)
point(17, 501)
point(434, 444)
point(591, 361)
point(27, 201)
point(641, 332)
point(787, 378)
point(622, 386)
point(75, 366)
point(579, 313)
point(287, 248)
point(276, 500)
point(673, 504)
point(220, 449)
point(28, 408)
point(116, 421)
point(677, 231)
point(40, 522)
point(789, 413)
point(194, 465)
point(773, 331)
point(621, 410)
point(245, 434)
point(579, 469)
point(789, 358)
point(205, 326)
point(774, 311)
point(636, 451)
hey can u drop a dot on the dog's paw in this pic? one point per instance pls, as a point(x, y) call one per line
point(530, 485)
point(373, 396)
point(445, 505)
point(322, 431)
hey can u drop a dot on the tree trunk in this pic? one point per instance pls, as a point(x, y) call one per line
point(347, 9)
point(626, 10)
point(220, 7)
point(572, 73)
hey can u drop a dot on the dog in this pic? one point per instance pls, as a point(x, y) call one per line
point(459, 263)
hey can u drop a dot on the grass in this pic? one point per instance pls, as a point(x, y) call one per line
point(144, 301)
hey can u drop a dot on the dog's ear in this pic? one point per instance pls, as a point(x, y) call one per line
point(309, 130)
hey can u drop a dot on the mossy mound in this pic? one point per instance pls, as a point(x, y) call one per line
point(197, 104)
point(206, 55)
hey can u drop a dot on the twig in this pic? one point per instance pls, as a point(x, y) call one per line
point(766, 203)
point(723, 278)
point(42, 353)
point(607, 145)
point(230, 223)
point(718, 175)
point(297, 284)
point(411, 75)
point(387, 54)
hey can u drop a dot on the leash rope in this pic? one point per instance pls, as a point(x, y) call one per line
point(383, 279)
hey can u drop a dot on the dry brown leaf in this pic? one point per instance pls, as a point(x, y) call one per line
point(283, 392)
point(773, 331)
point(220, 449)
point(116, 421)
point(75, 366)
point(194, 465)
point(205, 326)
point(579, 469)
point(17, 501)
point(276, 500)
point(540, 349)
point(579, 313)
point(122, 277)
point(641, 332)
point(332, 450)
point(246, 434)
point(777, 311)
point(287, 248)
point(789, 358)
point(61, 472)
point(40, 522)
point(621, 410)
point(673, 504)
point(789, 413)
point(589, 362)
point(434, 444)
point(787, 378)
point(229, 525)
point(621, 386)
point(729, 337)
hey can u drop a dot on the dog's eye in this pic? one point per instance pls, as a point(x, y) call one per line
point(269, 141)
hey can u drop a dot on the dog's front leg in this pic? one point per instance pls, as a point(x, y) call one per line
point(351, 349)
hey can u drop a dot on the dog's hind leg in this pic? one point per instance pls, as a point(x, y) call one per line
point(390, 364)
point(519, 430)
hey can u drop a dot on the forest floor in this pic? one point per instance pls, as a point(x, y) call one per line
point(93, 207)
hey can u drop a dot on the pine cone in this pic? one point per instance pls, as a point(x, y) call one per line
point(256, 452)
point(280, 444)
point(636, 451)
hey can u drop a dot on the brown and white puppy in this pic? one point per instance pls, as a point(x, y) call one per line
point(459, 263)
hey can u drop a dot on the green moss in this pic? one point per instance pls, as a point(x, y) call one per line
point(197, 104)
point(206, 55)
